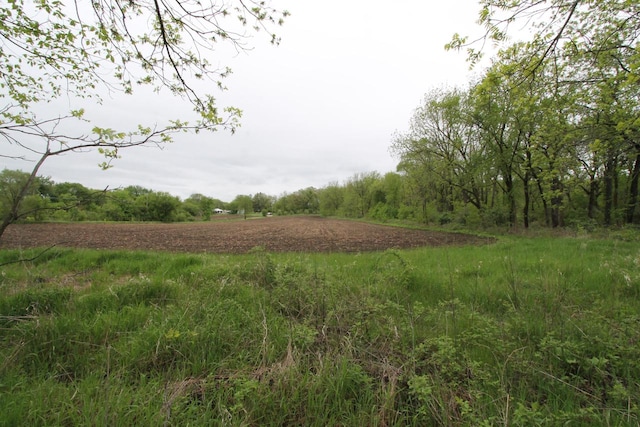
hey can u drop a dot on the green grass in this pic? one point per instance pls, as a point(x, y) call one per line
point(526, 331)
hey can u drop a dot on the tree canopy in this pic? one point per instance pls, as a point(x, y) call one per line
point(565, 97)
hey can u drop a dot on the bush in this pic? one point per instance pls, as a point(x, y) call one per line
point(382, 211)
point(445, 218)
point(406, 212)
point(495, 216)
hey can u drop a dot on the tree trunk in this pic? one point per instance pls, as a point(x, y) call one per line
point(527, 197)
point(633, 189)
point(494, 192)
point(14, 209)
point(424, 209)
point(556, 203)
point(616, 188)
point(511, 198)
point(543, 197)
point(526, 180)
point(609, 170)
point(593, 197)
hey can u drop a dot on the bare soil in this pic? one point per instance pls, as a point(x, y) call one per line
point(275, 234)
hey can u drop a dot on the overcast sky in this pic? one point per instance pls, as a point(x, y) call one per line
point(319, 108)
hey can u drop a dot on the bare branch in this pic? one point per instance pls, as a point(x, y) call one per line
point(33, 258)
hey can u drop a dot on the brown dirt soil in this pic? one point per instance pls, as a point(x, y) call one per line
point(275, 234)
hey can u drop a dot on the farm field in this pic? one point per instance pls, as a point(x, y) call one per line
point(524, 331)
point(275, 234)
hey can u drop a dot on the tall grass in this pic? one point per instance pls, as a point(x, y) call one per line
point(527, 331)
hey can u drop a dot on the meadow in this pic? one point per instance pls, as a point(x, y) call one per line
point(529, 330)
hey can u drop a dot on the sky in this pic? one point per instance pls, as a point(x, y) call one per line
point(319, 108)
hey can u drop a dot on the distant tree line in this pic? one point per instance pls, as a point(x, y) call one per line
point(461, 168)
point(50, 201)
point(417, 192)
point(47, 200)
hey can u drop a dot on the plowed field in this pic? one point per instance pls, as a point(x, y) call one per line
point(275, 234)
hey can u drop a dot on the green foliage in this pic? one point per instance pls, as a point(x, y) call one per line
point(522, 148)
point(50, 201)
point(242, 204)
point(382, 211)
point(156, 207)
point(262, 202)
point(528, 331)
point(11, 186)
point(305, 201)
point(330, 199)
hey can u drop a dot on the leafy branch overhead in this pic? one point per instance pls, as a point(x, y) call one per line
point(73, 51)
point(51, 48)
point(557, 27)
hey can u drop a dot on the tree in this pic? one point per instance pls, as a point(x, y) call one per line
point(587, 52)
point(119, 205)
point(243, 204)
point(330, 199)
point(393, 189)
point(442, 140)
point(306, 201)
point(386, 195)
point(71, 201)
point(200, 206)
point(156, 206)
point(13, 186)
point(420, 190)
point(303, 201)
point(262, 202)
point(358, 194)
point(76, 51)
point(589, 25)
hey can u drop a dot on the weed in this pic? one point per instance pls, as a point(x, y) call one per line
point(528, 331)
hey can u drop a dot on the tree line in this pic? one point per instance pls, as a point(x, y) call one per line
point(362, 195)
point(548, 133)
point(519, 155)
point(433, 192)
point(46, 200)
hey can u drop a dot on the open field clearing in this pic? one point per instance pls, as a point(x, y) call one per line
point(525, 331)
point(275, 234)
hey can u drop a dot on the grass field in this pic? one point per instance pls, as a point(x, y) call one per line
point(525, 331)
